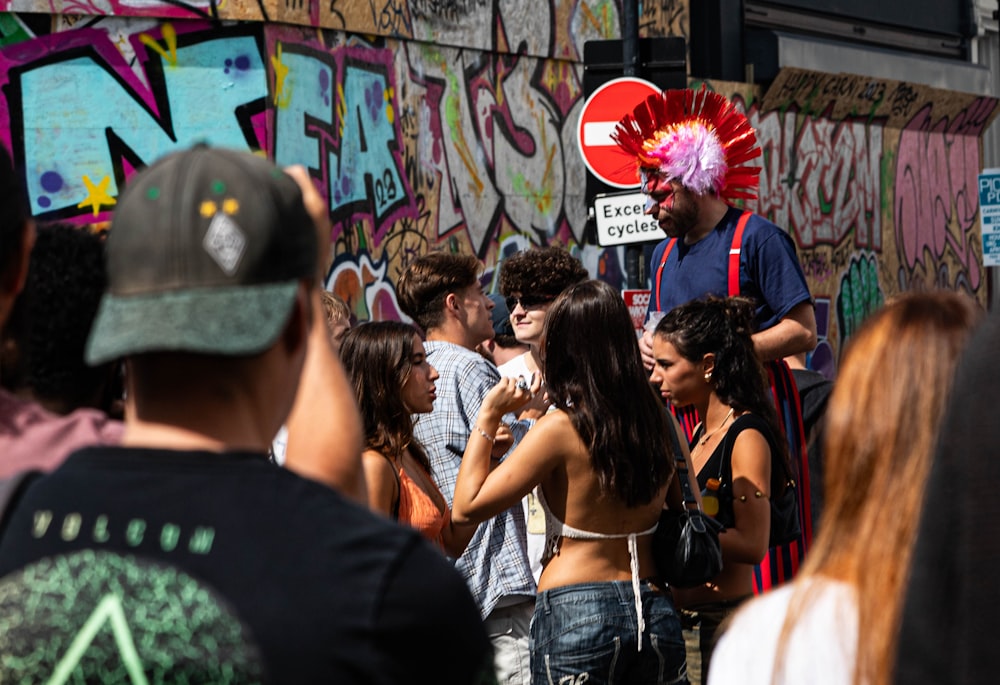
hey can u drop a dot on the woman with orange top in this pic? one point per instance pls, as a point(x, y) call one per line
point(392, 379)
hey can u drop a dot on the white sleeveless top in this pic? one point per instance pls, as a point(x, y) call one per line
point(555, 530)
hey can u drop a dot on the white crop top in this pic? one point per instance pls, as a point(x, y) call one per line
point(555, 530)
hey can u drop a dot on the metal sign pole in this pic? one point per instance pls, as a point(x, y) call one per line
point(634, 276)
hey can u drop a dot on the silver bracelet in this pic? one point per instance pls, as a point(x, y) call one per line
point(486, 435)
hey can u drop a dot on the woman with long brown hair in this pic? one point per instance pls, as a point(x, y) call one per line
point(603, 465)
point(392, 379)
point(838, 622)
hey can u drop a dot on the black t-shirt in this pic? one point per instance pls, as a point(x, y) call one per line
point(221, 567)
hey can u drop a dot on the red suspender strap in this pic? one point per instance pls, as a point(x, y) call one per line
point(659, 271)
point(734, 260)
point(734, 254)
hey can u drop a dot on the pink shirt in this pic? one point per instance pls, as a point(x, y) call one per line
point(33, 437)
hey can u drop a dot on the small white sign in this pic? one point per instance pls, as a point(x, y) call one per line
point(620, 220)
point(989, 215)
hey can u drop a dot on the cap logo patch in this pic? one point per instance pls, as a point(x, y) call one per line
point(225, 243)
point(230, 206)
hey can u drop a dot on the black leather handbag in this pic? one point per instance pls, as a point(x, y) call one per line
point(785, 525)
point(686, 545)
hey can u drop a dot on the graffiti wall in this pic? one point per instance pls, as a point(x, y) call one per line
point(420, 142)
point(877, 183)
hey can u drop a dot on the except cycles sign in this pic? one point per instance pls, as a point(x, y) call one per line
point(601, 113)
point(621, 219)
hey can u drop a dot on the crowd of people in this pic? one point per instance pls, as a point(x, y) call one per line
point(244, 484)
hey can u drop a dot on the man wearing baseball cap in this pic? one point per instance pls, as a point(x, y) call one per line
point(184, 554)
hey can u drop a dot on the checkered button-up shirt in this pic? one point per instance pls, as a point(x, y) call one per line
point(495, 564)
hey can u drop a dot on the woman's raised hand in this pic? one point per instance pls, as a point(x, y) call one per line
point(510, 394)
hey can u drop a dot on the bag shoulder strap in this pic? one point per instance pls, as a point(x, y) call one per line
point(682, 471)
point(742, 423)
point(399, 488)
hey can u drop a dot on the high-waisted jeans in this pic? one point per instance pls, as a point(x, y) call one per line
point(588, 633)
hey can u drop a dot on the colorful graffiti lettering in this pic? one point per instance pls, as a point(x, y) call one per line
point(78, 155)
point(936, 203)
point(337, 114)
point(451, 125)
point(822, 179)
point(860, 295)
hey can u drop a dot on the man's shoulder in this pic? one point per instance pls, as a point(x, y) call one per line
point(243, 478)
point(761, 228)
point(768, 241)
point(443, 348)
point(33, 437)
point(658, 251)
point(515, 367)
point(449, 357)
point(239, 498)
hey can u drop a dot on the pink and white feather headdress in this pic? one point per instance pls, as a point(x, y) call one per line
point(696, 137)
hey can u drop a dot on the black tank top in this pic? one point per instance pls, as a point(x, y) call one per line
point(720, 464)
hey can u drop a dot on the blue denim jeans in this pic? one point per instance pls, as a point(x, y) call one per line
point(588, 633)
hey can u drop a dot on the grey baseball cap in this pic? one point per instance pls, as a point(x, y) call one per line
point(500, 316)
point(205, 253)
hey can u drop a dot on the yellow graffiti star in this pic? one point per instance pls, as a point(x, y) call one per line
point(280, 74)
point(97, 195)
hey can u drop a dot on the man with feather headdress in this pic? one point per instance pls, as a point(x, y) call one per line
point(692, 150)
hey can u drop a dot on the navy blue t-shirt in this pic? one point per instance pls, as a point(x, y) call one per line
point(770, 272)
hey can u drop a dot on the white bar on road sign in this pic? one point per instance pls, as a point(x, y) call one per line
point(598, 133)
point(621, 220)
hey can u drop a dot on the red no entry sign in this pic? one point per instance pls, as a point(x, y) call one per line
point(601, 113)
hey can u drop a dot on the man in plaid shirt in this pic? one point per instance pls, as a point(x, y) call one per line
point(441, 292)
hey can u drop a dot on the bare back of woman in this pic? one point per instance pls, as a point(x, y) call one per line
point(602, 465)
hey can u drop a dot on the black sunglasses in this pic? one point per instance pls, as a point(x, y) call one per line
point(527, 301)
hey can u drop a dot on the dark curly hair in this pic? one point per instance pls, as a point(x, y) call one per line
point(723, 327)
point(599, 380)
point(540, 271)
point(53, 316)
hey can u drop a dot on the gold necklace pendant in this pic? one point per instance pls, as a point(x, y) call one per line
point(706, 437)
